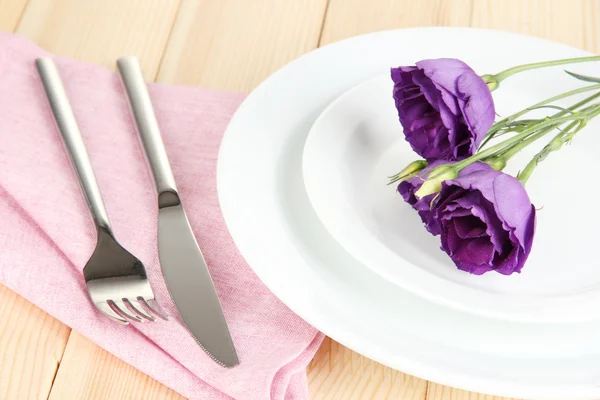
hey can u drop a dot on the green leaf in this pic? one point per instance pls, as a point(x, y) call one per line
point(585, 78)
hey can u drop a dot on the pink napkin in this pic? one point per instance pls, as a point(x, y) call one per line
point(46, 233)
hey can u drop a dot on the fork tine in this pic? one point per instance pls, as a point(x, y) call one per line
point(156, 310)
point(114, 305)
point(106, 309)
point(136, 310)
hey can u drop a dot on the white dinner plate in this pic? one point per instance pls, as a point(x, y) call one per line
point(358, 142)
point(272, 222)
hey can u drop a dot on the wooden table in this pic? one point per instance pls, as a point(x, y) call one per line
point(230, 44)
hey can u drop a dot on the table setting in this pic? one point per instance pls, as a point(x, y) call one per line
point(319, 204)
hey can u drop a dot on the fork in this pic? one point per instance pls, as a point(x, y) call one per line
point(115, 279)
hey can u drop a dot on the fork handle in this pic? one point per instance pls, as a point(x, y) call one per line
point(69, 130)
point(148, 130)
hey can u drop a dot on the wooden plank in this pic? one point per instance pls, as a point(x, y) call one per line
point(439, 392)
point(31, 347)
point(235, 44)
point(346, 18)
point(89, 372)
point(572, 22)
point(339, 373)
point(10, 14)
point(102, 31)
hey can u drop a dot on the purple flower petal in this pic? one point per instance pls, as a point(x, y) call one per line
point(475, 252)
point(479, 115)
point(444, 107)
point(428, 88)
point(486, 220)
point(512, 205)
point(408, 188)
point(469, 227)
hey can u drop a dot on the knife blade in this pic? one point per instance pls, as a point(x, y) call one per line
point(182, 264)
point(191, 286)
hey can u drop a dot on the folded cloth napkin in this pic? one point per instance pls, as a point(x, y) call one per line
point(47, 235)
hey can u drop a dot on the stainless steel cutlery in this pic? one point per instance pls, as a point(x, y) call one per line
point(116, 280)
point(182, 263)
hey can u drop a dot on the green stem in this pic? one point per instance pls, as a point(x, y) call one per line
point(514, 140)
point(502, 123)
point(508, 154)
point(527, 141)
point(555, 144)
point(499, 77)
point(524, 175)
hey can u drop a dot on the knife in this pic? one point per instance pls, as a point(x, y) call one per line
point(183, 266)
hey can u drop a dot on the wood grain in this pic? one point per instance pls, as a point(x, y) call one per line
point(573, 22)
point(231, 44)
point(102, 31)
point(235, 44)
point(10, 13)
point(346, 18)
point(89, 372)
point(439, 392)
point(339, 373)
point(31, 347)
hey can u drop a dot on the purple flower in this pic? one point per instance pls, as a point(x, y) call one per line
point(409, 187)
point(444, 107)
point(486, 219)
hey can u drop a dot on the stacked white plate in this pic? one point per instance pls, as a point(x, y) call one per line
point(302, 182)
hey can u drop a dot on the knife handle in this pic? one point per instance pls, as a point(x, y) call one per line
point(148, 130)
point(69, 130)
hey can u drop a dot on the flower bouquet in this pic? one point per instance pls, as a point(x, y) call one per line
point(483, 215)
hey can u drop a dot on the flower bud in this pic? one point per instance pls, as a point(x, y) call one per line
point(433, 184)
point(498, 163)
point(412, 169)
point(491, 81)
